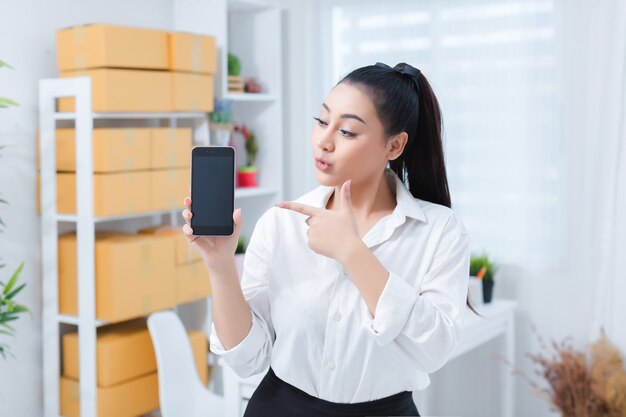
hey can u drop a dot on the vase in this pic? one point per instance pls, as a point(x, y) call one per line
point(246, 178)
point(487, 291)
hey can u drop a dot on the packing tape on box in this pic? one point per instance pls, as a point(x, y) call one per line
point(171, 135)
point(171, 159)
point(78, 35)
point(146, 304)
point(74, 392)
point(196, 53)
point(172, 201)
point(80, 61)
point(129, 136)
point(190, 254)
point(129, 207)
point(145, 257)
point(171, 175)
point(128, 177)
point(128, 164)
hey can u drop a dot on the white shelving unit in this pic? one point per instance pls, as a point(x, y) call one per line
point(85, 223)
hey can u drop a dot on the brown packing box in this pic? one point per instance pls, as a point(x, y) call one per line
point(124, 352)
point(191, 52)
point(130, 399)
point(134, 275)
point(192, 92)
point(123, 90)
point(114, 193)
point(170, 147)
point(100, 45)
point(169, 188)
point(115, 149)
point(184, 252)
point(192, 282)
point(133, 397)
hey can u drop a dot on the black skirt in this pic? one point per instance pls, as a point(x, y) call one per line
point(277, 398)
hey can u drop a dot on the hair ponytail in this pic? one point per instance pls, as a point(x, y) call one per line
point(405, 102)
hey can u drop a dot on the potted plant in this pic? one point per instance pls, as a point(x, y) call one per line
point(221, 123)
point(235, 81)
point(482, 268)
point(9, 309)
point(246, 175)
point(239, 255)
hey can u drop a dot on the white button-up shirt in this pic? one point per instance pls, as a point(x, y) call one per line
point(311, 324)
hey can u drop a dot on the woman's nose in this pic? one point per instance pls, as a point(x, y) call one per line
point(325, 141)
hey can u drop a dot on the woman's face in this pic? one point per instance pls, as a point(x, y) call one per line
point(349, 136)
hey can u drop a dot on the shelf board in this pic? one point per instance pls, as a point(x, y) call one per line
point(244, 192)
point(67, 319)
point(250, 97)
point(173, 115)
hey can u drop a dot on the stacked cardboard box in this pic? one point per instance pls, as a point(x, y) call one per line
point(192, 276)
point(135, 169)
point(126, 369)
point(139, 70)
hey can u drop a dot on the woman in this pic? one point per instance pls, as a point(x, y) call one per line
point(353, 293)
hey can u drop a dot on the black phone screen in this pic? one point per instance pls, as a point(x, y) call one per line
point(212, 190)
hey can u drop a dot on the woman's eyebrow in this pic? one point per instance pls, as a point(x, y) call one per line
point(346, 116)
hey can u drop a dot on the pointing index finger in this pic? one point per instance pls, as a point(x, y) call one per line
point(299, 207)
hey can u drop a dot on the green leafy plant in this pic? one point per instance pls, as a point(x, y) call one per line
point(6, 102)
point(234, 64)
point(478, 261)
point(222, 113)
point(252, 148)
point(241, 245)
point(9, 309)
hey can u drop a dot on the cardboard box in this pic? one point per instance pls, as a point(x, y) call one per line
point(100, 45)
point(134, 275)
point(169, 188)
point(190, 52)
point(192, 92)
point(130, 399)
point(114, 194)
point(192, 282)
point(123, 90)
point(124, 352)
point(114, 149)
point(171, 147)
point(183, 250)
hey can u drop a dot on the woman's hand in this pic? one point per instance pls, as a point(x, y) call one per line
point(332, 233)
point(214, 250)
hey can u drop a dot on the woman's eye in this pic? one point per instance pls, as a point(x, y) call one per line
point(346, 133)
point(320, 121)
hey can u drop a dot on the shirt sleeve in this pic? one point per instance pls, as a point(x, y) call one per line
point(252, 355)
point(425, 324)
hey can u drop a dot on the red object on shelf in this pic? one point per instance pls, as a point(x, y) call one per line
point(246, 179)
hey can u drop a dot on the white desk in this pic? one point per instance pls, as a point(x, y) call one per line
point(498, 320)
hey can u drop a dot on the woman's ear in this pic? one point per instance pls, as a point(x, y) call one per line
point(395, 145)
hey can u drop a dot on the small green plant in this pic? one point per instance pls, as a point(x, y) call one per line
point(241, 245)
point(478, 261)
point(252, 148)
point(9, 309)
point(222, 113)
point(234, 64)
point(6, 102)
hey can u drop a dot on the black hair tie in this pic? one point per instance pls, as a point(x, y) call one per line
point(407, 69)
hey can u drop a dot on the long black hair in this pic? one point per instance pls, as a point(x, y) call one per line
point(405, 102)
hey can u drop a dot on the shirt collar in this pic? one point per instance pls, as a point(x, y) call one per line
point(406, 204)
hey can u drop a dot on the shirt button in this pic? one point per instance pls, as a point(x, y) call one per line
point(331, 365)
point(337, 316)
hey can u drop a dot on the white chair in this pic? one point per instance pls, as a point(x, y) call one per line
point(181, 391)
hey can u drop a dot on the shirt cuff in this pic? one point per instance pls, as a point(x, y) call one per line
point(392, 311)
point(243, 352)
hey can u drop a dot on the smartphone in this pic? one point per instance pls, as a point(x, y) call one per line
point(212, 190)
